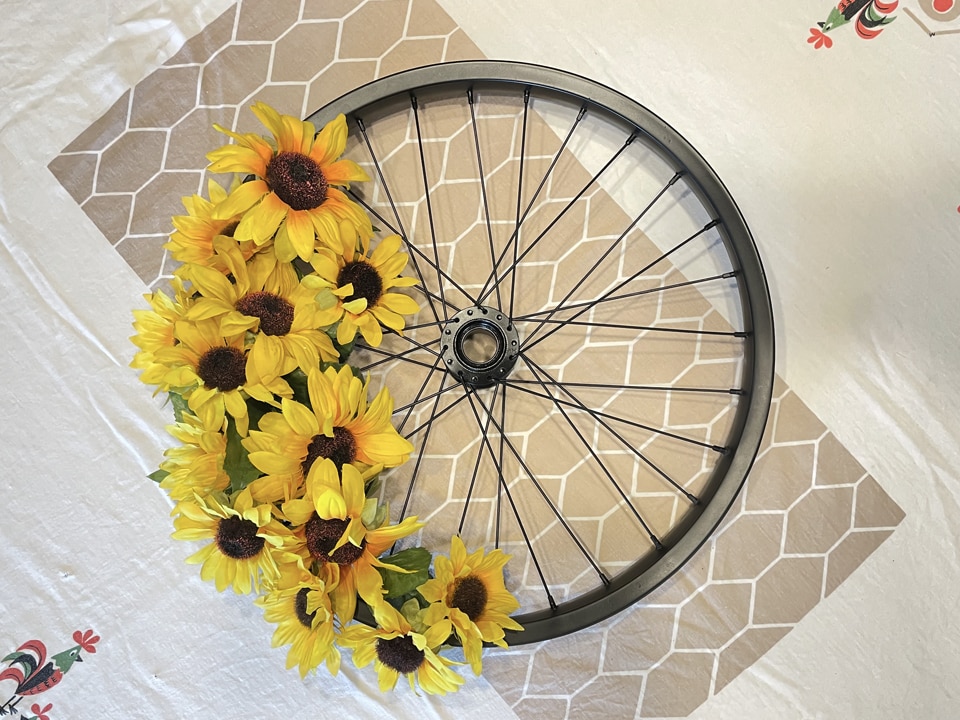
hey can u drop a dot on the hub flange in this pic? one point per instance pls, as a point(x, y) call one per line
point(479, 346)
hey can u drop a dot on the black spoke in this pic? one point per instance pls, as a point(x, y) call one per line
point(583, 307)
point(567, 207)
point(615, 244)
point(396, 356)
point(514, 238)
point(414, 249)
point(484, 429)
point(621, 326)
point(420, 326)
point(393, 206)
point(593, 453)
point(422, 346)
point(597, 416)
point(502, 485)
point(600, 416)
point(609, 295)
point(503, 427)
point(607, 386)
point(483, 191)
point(426, 191)
point(516, 230)
point(416, 400)
point(434, 416)
point(423, 446)
point(546, 498)
point(443, 301)
point(420, 400)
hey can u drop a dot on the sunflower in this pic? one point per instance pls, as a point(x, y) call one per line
point(192, 239)
point(155, 331)
point(293, 197)
point(304, 619)
point(197, 465)
point(330, 519)
point(248, 543)
point(210, 372)
point(396, 650)
point(339, 425)
point(359, 286)
point(274, 305)
point(467, 594)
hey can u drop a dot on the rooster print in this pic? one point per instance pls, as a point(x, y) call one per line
point(869, 17)
point(33, 673)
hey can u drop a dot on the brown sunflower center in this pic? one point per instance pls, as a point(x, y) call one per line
point(469, 596)
point(367, 282)
point(229, 229)
point(300, 607)
point(223, 368)
point(275, 312)
point(400, 654)
point(297, 180)
point(237, 538)
point(341, 448)
point(322, 535)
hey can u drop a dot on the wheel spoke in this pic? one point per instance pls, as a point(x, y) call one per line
point(605, 386)
point(609, 295)
point(516, 230)
point(434, 416)
point(583, 307)
point(514, 238)
point(639, 328)
point(423, 445)
point(404, 356)
point(546, 498)
point(426, 191)
point(502, 485)
point(484, 429)
point(416, 400)
point(422, 346)
point(563, 212)
point(593, 453)
point(393, 206)
point(483, 192)
point(615, 244)
point(598, 418)
point(414, 249)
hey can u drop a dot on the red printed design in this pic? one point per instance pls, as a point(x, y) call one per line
point(868, 17)
point(33, 674)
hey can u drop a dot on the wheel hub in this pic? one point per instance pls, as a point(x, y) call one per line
point(480, 346)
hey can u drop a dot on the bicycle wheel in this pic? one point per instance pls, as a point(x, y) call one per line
point(588, 379)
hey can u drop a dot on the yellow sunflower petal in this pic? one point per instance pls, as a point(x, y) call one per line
point(241, 199)
point(330, 142)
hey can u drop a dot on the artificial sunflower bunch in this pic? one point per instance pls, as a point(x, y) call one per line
point(281, 445)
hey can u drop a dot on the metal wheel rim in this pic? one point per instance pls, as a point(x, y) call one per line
point(631, 585)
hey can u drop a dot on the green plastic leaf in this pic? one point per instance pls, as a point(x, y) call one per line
point(413, 614)
point(158, 475)
point(373, 486)
point(179, 406)
point(298, 383)
point(236, 462)
point(417, 560)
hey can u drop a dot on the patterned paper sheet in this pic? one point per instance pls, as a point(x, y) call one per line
point(809, 514)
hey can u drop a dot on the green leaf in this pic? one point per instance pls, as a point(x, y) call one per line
point(344, 350)
point(373, 486)
point(416, 560)
point(298, 383)
point(158, 475)
point(236, 462)
point(413, 613)
point(179, 406)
